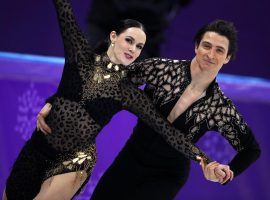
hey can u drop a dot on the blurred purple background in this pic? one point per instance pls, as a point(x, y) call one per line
point(31, 27)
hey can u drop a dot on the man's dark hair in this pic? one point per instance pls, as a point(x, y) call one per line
point(223, 28)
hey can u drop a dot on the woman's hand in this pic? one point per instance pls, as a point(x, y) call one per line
point(41, 124)
point(216, 172)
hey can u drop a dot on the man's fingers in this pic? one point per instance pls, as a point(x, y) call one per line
point(228, 175)
point(220, 173)
point(225, 180)
point(40, 127)
point(43, 125)
point(46, 109)
point(43, 131)
point(232, 175)
point(227, 171)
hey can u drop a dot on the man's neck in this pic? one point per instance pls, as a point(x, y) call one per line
point(200, 79)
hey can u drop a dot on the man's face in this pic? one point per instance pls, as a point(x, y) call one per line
point(212, 52)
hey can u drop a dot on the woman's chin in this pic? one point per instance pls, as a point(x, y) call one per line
point(127, 62)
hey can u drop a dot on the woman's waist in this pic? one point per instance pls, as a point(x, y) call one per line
point(68, 111)
point(40, 142)
point(71, 125)
point(100, 110)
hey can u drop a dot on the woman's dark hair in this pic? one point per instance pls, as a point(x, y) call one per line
point(223, 28)
point(119, 28)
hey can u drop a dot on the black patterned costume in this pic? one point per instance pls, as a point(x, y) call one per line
point(147, 167)
point(91, 91)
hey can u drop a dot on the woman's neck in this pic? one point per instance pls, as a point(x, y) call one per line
point(111, 55)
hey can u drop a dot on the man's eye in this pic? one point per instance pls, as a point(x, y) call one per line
point(220, 51)
point(206, 46)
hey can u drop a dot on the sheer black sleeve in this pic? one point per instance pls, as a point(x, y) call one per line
point(155, 71)
point(75, 44)
point(233, 127)
point(135, 101)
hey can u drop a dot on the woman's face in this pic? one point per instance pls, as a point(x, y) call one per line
point(127, 46)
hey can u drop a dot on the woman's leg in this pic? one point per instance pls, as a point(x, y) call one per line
point(4, 195)
point(62, 186)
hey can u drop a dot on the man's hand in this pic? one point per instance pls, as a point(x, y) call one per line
point(216, 172)
point(41, 124)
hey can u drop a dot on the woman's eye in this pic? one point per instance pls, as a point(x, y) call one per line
point(129, 40)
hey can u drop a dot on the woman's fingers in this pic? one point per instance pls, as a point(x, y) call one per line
point(210, 173)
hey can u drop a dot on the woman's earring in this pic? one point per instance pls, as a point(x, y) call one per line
point(112, 44)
